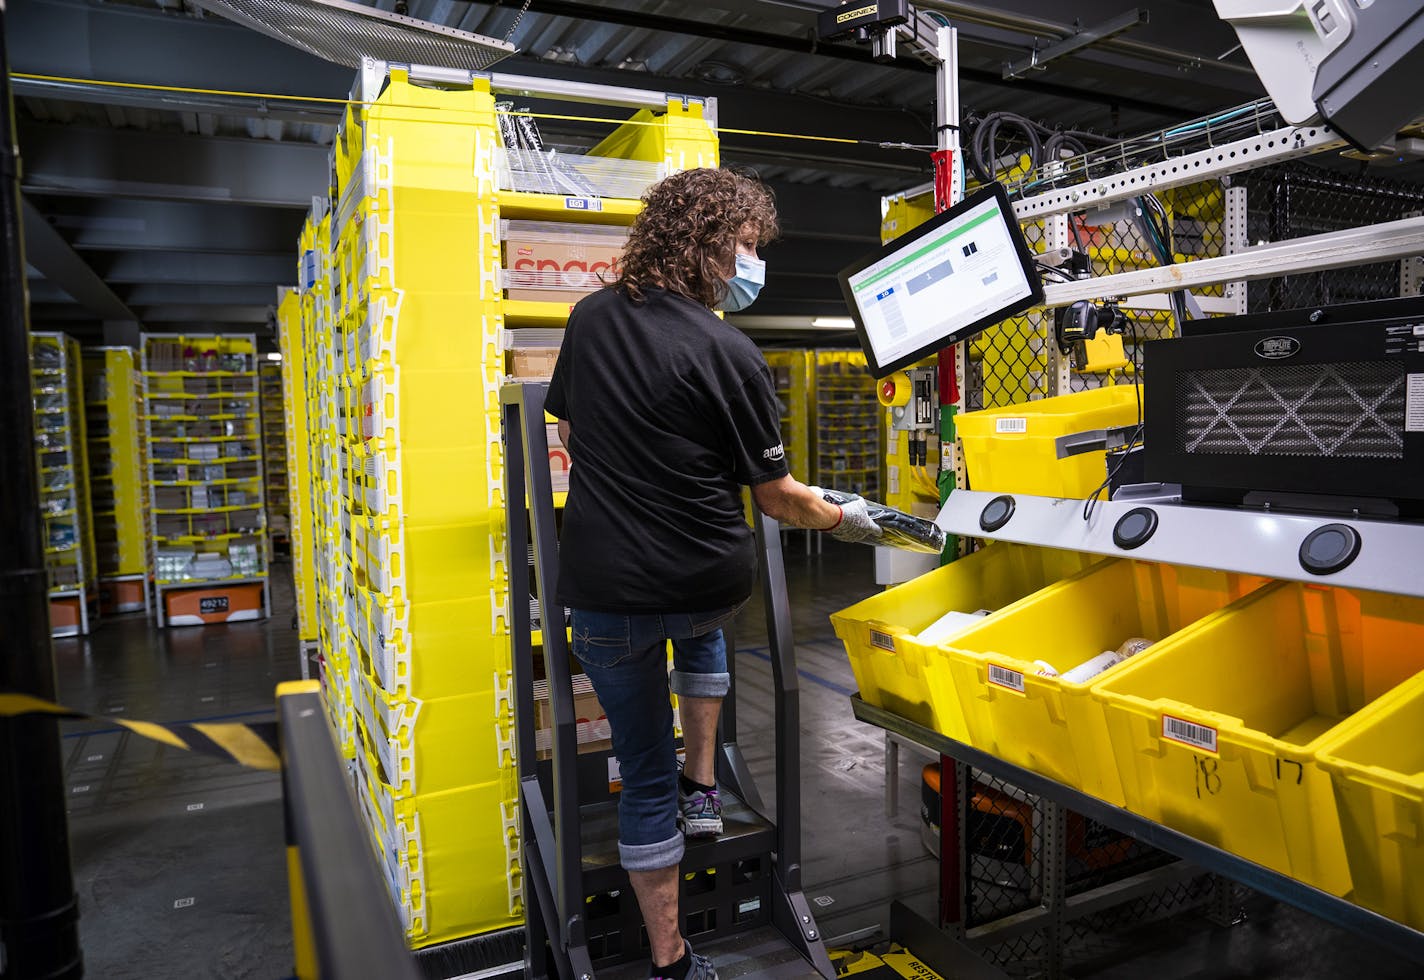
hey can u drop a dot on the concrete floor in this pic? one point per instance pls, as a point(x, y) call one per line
point(179, 859)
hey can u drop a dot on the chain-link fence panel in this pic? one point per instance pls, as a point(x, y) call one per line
point(1018, 360)
point(1298, 199)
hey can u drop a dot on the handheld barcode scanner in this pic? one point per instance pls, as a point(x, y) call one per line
point(1092, 335)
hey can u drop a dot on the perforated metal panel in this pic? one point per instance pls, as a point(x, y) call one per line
point(347, 32)
point(1333, 411)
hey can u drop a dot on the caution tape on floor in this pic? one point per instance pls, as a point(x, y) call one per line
point(251, 744)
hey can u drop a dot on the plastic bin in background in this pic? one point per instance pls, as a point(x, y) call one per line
point(1219, 728)
point(879, 633)
point(1056, 727)
point(1376, 763)
point(1014, 450)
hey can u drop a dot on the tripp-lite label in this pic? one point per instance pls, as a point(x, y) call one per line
point(1414, 403)
point(1004, 677)
point(582, 204)
point(1189, 733)
point(1018, 424)
point(882, 640)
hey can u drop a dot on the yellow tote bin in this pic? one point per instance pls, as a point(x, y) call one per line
point(1221, 726)
point(1376, 762)
point(879, 633)
point(1052, 726)
point(1014, 450)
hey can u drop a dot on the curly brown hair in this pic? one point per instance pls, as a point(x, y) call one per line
point(685, 238)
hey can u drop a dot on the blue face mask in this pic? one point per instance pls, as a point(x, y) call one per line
point(743, 287)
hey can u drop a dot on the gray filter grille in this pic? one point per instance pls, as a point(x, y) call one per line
point(347, 32)
point(1348, 410)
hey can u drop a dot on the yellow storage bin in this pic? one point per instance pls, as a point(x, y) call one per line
point(1013, 450)
point(450, 859)
point(1051, 725)
point(1376, 762)
point(879, 633)
point(1217, 731)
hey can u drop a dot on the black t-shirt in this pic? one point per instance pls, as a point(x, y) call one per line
point(672, 411)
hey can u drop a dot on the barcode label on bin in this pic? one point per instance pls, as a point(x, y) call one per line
point(1003, 677)
point(1019, 424)
point(882, 640)
point(1197, 736)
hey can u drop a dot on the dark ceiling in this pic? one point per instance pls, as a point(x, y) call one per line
point(181, 211)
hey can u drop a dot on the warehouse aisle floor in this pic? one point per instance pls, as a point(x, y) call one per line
point(179, 859)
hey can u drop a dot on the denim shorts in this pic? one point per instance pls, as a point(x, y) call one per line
point(625, 657)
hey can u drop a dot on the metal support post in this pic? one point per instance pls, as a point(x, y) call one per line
point(1411, 269)
point(1234, 231)
point(1057, 378)
point(39, 912)
point(1054, 849)
point(1221, 907)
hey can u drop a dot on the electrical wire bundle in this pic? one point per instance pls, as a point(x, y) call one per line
point(993, 137)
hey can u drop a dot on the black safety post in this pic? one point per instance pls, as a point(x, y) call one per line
point(39, 912)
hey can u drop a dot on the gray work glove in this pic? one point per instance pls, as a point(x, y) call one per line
point(855, 524)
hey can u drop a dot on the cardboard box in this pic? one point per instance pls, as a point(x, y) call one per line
point(559, 461)
point(593, 730)
point(556, 262)
point(533, 363)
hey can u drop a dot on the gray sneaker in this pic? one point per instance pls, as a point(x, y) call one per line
point(700, 968)
point(699, 814)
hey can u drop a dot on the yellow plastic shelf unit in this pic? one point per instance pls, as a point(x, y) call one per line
point(125, 549)
point(680, 138)
point(1014, 709)
point(895, 669)
point(1244, 703)
point(301, 521)
point(1376, 763)
point(791, 375)
point(446, 882)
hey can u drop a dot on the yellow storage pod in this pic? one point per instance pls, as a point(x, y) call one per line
point(1217, 730)
point(899, 673)
point(1012, 450)
point(1376, 762)
point(1014, 709)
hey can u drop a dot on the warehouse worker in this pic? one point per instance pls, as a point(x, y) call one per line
point(667, 412)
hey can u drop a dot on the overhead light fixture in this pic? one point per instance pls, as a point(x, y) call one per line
point(834, 322)
point(274, 355)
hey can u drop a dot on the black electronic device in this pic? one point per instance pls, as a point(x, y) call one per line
point(965, 269)
point(1278, 410)
point(858, 20)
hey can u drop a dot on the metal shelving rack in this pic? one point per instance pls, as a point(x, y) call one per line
point(113, 405)
point(848, 424)
point(205, 477)
point(58, 390)
point(274, 454)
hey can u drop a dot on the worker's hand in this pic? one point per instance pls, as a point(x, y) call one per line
point(855, 524)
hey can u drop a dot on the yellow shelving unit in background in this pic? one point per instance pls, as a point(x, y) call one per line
point(400, 327)
point(848, 444)
point(791, 373)
point(118, 485)
point(203, 431)
point(274, 455)
point(297, 444)
point(57, 384)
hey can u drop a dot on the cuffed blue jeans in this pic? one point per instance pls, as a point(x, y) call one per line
point(626, 660)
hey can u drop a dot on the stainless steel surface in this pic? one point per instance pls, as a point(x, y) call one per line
point(346, 33)
point(1231, 539)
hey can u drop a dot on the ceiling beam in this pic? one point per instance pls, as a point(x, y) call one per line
point(47, 251)
point(160, 267)
point(200, 294)
point(110, 224)
point(91, 162)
